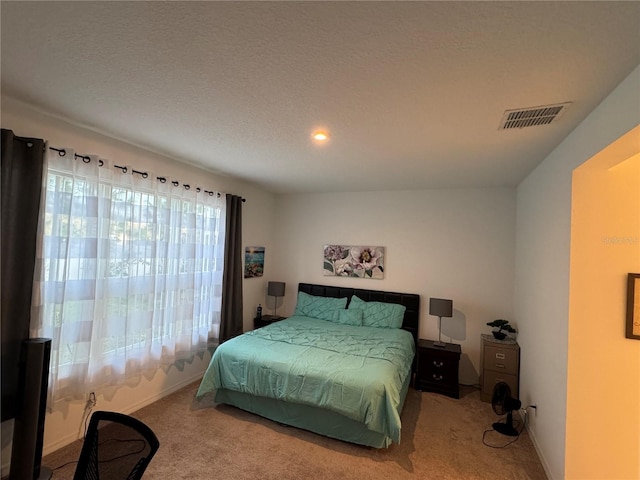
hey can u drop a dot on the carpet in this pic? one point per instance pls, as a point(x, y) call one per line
point(441, 439)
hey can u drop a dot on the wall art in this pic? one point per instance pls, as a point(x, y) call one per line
point(354, 261)
point(253, 262)
point(633, 306)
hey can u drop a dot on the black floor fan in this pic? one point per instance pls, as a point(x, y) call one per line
point(503, 403)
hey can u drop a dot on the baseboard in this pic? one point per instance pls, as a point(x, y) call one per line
point(534, 440)
point(163, 393)
point(67, 439)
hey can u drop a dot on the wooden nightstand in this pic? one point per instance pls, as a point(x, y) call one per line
point(437, 369)
point(499, 362)
point(265, 320)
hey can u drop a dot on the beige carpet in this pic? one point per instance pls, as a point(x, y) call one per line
point(441, 439)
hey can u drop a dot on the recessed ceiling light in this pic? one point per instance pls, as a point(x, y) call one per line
point(320, 136)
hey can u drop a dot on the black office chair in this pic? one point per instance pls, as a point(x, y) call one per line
point(116, 447)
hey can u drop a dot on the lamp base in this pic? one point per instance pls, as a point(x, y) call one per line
point(439, 344)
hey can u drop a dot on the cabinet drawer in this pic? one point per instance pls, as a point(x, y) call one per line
point(500, 359)
point(447, 376)
point(491, 378)
point(439, 366)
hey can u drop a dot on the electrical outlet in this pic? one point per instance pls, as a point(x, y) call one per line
point(91, 400)
point(88, 407)
point(525, 411)
point(523, 415)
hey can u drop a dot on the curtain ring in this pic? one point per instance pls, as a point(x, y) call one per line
point(198, 189)
point(62, 152)
point(162, 179)
point(175, 183)
point(86, 159)
point(100, 163)
point(186, 186)
point(145, 174)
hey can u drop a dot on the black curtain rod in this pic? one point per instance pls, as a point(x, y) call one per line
point(86, 159)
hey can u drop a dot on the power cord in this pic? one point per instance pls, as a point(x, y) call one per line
point(506, 444)
point(522, 426)
point(132, 440)
point(88, 408)
point(63, 465)
point(107, 460)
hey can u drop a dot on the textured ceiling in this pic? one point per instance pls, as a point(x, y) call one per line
point(412, 93)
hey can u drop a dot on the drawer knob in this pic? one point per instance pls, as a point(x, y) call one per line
point(500, 356)
point(437, 377)
point(438, 364)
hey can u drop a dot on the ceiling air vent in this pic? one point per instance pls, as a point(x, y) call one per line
point(530, 117)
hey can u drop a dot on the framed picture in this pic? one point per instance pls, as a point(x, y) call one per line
point(633, 306)
point(253, 262)
point(353, 261)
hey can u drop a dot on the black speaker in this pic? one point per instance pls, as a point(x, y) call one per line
point(28, 427)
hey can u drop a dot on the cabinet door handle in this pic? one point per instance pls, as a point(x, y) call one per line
point(437, 377)
point(500, 365)
point(438, 364)
point(500, 356)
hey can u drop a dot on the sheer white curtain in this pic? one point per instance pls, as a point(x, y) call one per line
point(129, 274)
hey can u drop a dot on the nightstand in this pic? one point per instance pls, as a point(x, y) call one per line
point(265, 320)
point(499, 362)
point(437, 368)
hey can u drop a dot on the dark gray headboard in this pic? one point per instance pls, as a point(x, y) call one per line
point(411, 301)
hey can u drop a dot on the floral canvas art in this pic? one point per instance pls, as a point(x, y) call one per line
point(354, 261)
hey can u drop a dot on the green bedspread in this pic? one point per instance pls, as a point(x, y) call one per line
point(358, 372)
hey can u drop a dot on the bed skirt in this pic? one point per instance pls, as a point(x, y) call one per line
point(314, 419)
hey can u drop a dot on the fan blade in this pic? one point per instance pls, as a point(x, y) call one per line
point(501, 392)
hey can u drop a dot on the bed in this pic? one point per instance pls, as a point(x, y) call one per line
point(340, 366)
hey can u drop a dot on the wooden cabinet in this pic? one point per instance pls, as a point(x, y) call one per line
point(437, 368)
point(499, 362)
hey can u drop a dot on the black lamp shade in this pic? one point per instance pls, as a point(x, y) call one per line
point(276, 289)
point(440, 307)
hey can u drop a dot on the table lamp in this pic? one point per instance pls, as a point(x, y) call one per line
point(276, 289)
point(440, 307)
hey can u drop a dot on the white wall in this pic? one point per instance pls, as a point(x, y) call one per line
point(457, 244)
point(258, 214)
point(543, 227)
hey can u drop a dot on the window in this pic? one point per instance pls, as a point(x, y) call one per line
point(129, 274)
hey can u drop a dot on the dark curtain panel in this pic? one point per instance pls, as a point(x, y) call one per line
point(22, 169)
point(231, 317)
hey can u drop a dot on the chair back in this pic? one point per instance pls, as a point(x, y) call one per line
point(116, 447)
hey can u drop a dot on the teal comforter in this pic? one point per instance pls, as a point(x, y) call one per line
point(357, 372)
